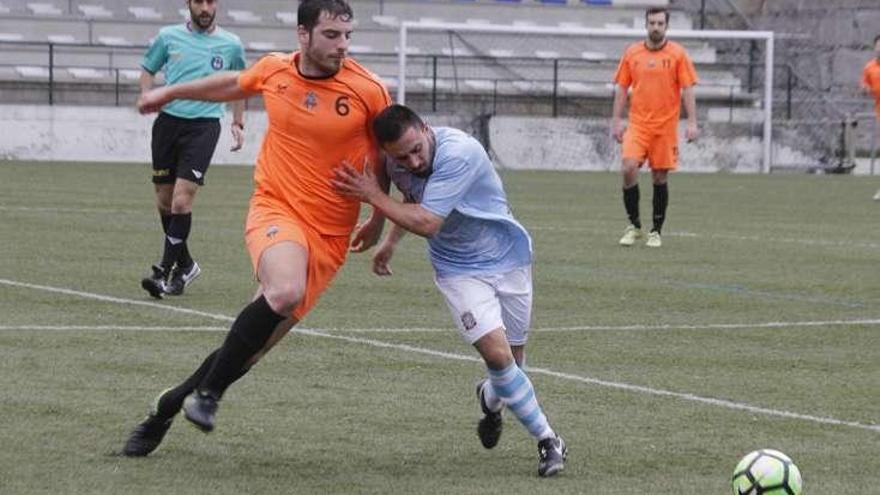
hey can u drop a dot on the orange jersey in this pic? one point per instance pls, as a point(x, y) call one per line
point(314, 125)
point(871, 82)
point(656, 77)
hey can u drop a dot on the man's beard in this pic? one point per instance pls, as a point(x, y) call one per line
point(203, 21)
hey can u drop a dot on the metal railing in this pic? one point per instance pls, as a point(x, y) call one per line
point(448, 75)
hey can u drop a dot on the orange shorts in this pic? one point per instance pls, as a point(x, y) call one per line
point(660, 148)
point(269, 223)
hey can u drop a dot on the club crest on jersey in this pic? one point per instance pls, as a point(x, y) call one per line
point(217, 62)
point(468, 320)
point(311, 100)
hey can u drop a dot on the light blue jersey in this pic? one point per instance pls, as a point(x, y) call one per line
point(188, 54)
point(479, 234)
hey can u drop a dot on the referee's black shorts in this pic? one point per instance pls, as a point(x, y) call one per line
point(182, 148)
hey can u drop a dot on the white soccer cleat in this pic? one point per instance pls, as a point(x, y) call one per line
point(654, 240)
point(630, 235)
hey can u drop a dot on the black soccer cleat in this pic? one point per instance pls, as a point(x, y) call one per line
point(490, 425)
point(146, 436)
point(181, 278)
point(155, 284)
point(200, 408)
point(551, 456)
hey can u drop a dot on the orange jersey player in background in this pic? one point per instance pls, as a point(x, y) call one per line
point(659, 72)
point(871, 85)
point(871, 77)
point(320, 105)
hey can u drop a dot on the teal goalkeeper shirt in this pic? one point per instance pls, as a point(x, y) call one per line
point(187, 55)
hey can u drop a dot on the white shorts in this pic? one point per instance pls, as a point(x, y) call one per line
point(482, 303)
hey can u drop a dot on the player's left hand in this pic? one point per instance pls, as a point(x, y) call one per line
point(367, 234)
point(237, 137)
point(351, 182)
point(691, 133)
point(382, 260)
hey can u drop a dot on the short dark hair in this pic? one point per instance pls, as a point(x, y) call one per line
point(876, 39)
point(657, 10)
point(309, 12)
point(393, 122)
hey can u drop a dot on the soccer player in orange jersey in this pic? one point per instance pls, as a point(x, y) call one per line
point(871, 84)
point(319, 105)
point(659, 72)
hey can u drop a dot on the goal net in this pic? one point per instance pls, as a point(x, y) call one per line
point(549, 91)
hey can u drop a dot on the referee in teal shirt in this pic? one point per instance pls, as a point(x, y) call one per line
point(185, 133)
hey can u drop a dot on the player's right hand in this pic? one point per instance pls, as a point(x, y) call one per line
point(617, 130)
point(152, 101)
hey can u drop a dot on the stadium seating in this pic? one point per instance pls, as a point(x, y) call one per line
point(125, 27)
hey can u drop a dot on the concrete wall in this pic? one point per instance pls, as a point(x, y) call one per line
point(116, 134)
point(100, 134)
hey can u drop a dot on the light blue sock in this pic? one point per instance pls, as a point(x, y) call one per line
point(515, 389)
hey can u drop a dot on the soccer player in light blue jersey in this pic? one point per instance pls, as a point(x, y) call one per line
point(481, 257)
point(185, 133)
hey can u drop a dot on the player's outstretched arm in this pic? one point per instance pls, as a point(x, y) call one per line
point(367, 234)
point(382, 257)
point(218, 87)
point(351, 182)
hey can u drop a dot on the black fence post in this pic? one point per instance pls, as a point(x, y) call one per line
point(117, 86)
point(555, 85)
point(788, 86)
point(434, 84)
point(702, 14)
point(51, 73)
point(752, 48)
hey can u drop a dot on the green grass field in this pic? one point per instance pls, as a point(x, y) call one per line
point(757, 324)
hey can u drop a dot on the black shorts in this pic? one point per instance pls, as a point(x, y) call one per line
point(182, 148)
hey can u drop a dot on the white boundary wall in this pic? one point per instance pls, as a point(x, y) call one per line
point(119, 134)
point(102, 134)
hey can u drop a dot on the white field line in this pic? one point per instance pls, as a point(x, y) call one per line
point(792, 240)
point(117, 300)
point(551, 228)
point(597, 328)
point(731, 237)
point(55, 209)
point(73, 328)
point(469, 358)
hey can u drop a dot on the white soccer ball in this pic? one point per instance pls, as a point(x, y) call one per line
point(767, 472)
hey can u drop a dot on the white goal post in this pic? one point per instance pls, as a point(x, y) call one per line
point(767, 37)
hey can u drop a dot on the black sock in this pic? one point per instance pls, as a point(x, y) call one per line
point(175, 240)
point(171, 401)
point(661, 201)
point(631, 203)
point(249, 333)
point(166, 221)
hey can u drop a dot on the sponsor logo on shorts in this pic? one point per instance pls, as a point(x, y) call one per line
point(163, 172)
point(197, 174)
point(271, 231)
point(468, 320)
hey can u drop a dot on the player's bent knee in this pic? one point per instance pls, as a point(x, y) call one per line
point(283, 298)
